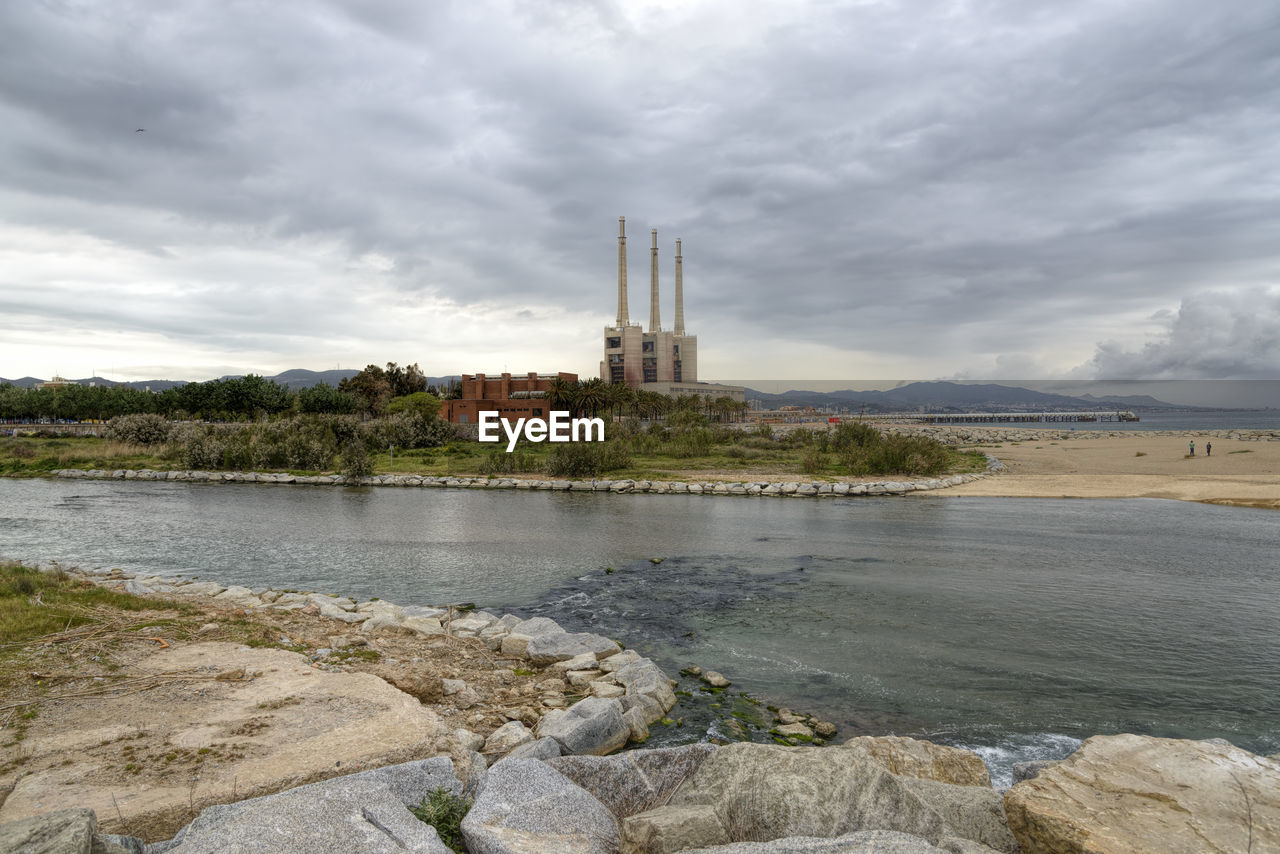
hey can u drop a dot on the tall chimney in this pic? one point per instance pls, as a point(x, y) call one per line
point(655, 322)
point(679, 290)
point(622, 271)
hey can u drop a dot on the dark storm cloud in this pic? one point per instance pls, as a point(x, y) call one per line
point(955, 181)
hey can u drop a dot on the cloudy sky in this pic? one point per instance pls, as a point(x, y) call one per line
point(993, 189)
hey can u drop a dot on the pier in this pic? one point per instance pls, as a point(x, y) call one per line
point(1005, 417)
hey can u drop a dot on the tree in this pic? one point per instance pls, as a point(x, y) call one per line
point(323, 398)
point(371, 387)
point(561, 393)
point(592, 396)
point(405, 381)
point(419, 403)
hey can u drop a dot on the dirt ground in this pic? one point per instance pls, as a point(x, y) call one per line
point(149, 724)
point(1239, 472)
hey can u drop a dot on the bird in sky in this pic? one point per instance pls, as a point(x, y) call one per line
point(140, 130)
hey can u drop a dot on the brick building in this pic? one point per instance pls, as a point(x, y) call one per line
point(522, 396)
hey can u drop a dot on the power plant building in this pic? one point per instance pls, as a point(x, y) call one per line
point(663, 361)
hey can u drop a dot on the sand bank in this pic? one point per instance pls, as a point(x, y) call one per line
point(1135, 465)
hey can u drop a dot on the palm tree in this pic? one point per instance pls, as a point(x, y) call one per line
point(592, 396)
point(560, 393)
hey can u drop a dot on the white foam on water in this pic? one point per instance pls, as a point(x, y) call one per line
point(1000, 758)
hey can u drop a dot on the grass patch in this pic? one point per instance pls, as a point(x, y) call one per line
point(444, 811)
point(680, 448)
point(1140, 454)
point(1244, 451)
point(35, 603)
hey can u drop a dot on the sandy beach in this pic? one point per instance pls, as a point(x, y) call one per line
point(1135, 465)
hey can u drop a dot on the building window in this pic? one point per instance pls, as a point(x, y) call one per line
point(648, 347)
point(612, 343)
point(462, 418)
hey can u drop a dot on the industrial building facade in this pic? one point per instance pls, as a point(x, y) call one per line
point(665, 361)
point(511, 397)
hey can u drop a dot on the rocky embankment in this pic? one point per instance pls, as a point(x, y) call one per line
point(1123, 794)
point(792, 489)
point(974, 435)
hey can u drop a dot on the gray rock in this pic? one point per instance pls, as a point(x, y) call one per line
point(645, 677)
point(766, 791)
point(125, 844)
point(71, 831)
point(668, 829)
point(539, 748)
point(861, 842)
point(527, 807)
point(551, 647)
point(593, 726)
point(507, 737)
point(635, 781)
point(115, 844)
point(649, 708)
point(1029, 770)
point(971, 812)
point(201, 588)
point(342, 814)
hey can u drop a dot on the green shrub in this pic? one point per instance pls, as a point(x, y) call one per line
point(142, 429)
point(356, 462)
point(587, 459)
point(814, 461)
point(691, 443)
point(445, 811)
point(501, 462)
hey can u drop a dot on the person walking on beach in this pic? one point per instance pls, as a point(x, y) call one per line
point(1193, 448)
point(1208, 449)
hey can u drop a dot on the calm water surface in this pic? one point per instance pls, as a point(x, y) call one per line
point(1015, 626)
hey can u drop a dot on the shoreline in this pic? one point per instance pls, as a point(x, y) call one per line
point(515, 799)
point(449, 680)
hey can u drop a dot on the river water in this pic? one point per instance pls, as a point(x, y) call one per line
point(1013, 626)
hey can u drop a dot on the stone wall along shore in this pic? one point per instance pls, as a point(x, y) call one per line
point(985, 435)
point(791, 489)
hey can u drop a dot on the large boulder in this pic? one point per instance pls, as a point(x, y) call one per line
point(292, 723)
point(764, 791)
point(911, 757)
point(337, 815)
point(645, 677)
point(635, 781)
point(861, 842)
point(667, 829)
point(1136, 794)
point(527, 807)
point(551, 647)
point(71, 831)
point(594, 726)
point(971, 812)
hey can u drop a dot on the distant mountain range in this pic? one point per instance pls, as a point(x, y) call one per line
point(294, 379)
point(955, 397)
point(932, 396)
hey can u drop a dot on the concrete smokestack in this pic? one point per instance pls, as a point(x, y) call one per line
point(622, 271)
point(679, 290)
point(655, 321)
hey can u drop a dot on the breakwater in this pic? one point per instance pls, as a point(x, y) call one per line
point(795, 488)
